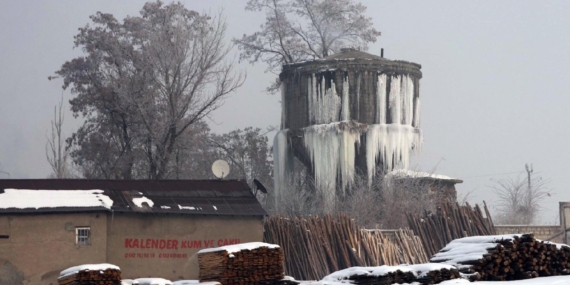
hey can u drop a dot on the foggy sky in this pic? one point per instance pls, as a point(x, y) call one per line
point(494, 88)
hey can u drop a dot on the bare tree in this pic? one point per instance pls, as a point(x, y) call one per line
point(249, 155)
point(142, 84)
point(297, 30)
point(519, 199)
point(56, 153)
point(3, 172)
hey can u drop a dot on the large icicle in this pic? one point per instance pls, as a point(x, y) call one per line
point(395, 101)
point(417, 105)
point(392, 144)
point(324, 103)
point(282, 166)
point(345, 116)
point(283, 106)
point(407, 100)
point(381, 100)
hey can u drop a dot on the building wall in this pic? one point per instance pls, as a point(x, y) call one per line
point(40, 246)
point(540, 232)
point(166, 245)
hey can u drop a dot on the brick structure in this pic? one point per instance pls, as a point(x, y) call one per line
point(147, 228)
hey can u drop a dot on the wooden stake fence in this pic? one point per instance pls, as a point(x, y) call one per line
point(317, 246)
point(450, 222)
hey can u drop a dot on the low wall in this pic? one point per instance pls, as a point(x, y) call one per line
point(540, 232)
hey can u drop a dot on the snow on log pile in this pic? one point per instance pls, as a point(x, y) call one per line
point(247, 263)
point(91, 274)
point(153, 281)
point(428, 273)
point(505, 257)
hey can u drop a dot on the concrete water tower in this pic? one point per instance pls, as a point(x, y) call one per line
point(347, 113)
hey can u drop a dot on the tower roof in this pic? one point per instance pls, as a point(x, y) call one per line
point(351, 53)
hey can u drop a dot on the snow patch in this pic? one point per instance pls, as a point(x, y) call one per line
point(404, 173)
point(153, 281)
point(25, 199)
point(419, 270)
point(143, 199)
point(87, 267)
point(239, 247)
point(195, 282)
point(186, 207)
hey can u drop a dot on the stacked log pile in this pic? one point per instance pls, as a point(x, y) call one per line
point(248, 263)
point(506, 257)
point(450, 222)
point(422, 273)
point(91, 274)
point(316, 246)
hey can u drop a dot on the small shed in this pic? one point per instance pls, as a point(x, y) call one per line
point(438, 185)
point(148, 228)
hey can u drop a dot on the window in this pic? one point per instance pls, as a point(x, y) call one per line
point(82, 235)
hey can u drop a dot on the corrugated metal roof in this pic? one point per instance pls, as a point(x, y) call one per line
point(188, 197)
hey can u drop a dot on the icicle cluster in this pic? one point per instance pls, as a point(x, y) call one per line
point(391, 144)
point(332, 144)
point(325, 105)
point(332, 152)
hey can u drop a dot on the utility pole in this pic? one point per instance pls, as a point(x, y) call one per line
point(529, 170)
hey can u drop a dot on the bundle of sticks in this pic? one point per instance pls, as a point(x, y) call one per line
point(421, 273)
point(91, 274)
point(506, 257)
point(450, 222)
point(316, 246)
point(248, 263)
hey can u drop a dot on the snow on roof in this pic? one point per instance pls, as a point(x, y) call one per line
point(154, 281)
point(23, 199)
point(419, 270)
point(138, 201)
point(405, 173)
point(239, 247)
point(129, 282)
point(87, 267)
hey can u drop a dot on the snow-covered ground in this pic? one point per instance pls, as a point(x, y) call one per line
point(558, 280)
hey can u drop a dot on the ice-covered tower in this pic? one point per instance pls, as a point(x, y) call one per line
point(347, 113)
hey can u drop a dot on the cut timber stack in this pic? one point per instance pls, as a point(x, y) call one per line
point(247, 263)
point(316, 246)
point(505, 257)
point(429, 273)
point(450, 222)
point(91, 274)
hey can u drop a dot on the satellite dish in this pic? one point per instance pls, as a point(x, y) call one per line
point(221, 168)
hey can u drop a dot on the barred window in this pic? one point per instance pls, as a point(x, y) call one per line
point(82, 236)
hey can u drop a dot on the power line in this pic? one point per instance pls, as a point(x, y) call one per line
point(494, 174)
